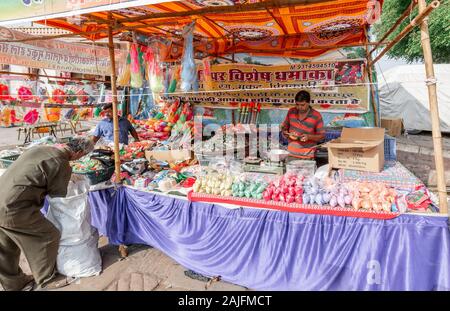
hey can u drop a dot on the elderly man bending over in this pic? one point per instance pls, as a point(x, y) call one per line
point(40, 171)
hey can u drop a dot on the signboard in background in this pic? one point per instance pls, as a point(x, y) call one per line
point(56, 54)
point(335, 86)
point(34, 10)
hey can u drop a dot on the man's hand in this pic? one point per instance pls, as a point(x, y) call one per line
point(291, 136)
point(304, 137)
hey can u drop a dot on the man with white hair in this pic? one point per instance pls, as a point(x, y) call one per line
point(38, 172)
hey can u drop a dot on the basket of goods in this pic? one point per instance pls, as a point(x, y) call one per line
point(96, 168)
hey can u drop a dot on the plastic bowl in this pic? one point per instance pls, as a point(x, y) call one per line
point(276, 155)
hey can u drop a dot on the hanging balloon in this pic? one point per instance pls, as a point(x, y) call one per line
point(58, 96)
point(25, 93)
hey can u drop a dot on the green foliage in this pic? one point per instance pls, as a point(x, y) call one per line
point(355, 52)
point(249, 60)
point(410, 47)
point(299, 60)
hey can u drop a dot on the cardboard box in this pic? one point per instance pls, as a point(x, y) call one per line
point(169, 155)
point(393, 126)
point(359, 149)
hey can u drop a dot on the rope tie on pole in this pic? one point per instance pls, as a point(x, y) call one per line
point(430, 81)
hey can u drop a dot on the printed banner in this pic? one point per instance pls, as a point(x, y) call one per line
point(334, 86)
point(14, 11)
point(56, 55)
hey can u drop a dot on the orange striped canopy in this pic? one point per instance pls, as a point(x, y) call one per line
point(306, 29)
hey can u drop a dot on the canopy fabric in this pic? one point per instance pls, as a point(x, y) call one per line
point(302, 30)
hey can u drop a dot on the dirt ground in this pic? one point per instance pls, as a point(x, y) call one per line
point(145, 269)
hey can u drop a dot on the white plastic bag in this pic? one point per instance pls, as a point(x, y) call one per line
point(71, 215)
point(78, 254)
point(81, 260)
point(322, 172)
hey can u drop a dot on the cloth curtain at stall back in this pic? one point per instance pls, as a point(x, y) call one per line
point(271, 250)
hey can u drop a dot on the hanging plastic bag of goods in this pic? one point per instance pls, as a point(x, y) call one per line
point(136, 72)
point(155, 75)
point(188, 69)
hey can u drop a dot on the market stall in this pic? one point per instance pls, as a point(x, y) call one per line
point(362, 222)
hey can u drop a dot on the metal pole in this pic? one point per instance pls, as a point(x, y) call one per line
point(434, 110)
point(114, 99)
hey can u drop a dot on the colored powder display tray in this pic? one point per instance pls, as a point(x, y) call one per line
point(291, 207)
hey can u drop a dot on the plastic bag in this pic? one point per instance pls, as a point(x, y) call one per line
point(78, 254)
point(322, 172)
point(136, 73)
point(208, 82)
point(82, 260)
point(155, 75)
point(125, 73)
point(71, 215)
point(188, 69)
point(175, 77)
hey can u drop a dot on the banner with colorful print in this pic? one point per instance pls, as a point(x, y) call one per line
point(55, 54)
point(334, 86)
point(15, 11)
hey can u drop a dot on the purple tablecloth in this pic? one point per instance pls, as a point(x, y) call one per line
point(272, 250)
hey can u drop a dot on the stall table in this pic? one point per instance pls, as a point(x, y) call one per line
point(275, 250)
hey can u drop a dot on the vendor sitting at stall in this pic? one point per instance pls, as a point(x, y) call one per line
point(38, 172)
point(105, 128)
point(303, 127)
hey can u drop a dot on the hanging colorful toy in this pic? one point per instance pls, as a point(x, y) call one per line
point(4, 92)
point(58, 96)
point(83, 97)
point(25, 93)
point(136, 71)
point(71, 96)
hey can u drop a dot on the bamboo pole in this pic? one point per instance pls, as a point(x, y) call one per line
point(434, 110)
point(370, 75)
point(327, 47)
point(415, 22)
point(396, 24)
point(114, 99)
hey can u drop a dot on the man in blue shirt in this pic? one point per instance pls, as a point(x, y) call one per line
point(105, 128)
